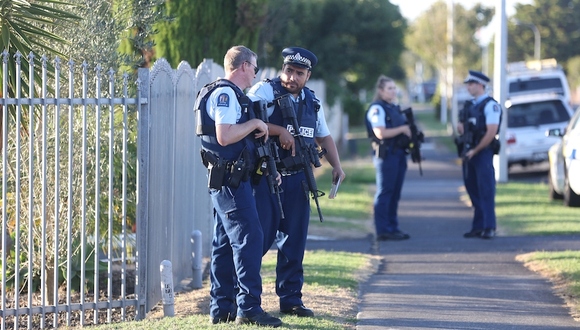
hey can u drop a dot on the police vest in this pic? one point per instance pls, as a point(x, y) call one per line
point(306, 111)
point(205, 126)
point(477, 111)
point(393, 118)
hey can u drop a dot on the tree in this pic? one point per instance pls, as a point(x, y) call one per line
point(139, 41)
point(428, 37)
point(26, 25)
point(559, 28)
point(201, 29)
point(354, 40)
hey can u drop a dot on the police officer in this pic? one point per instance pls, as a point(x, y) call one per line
point(387, 127)
point(228, 150)
point(290, 233)
point(481, 118)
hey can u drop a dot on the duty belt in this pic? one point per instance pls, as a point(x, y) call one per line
point(225, 172)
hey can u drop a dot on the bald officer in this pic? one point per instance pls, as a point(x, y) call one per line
point(290, 233)
point(483, 115)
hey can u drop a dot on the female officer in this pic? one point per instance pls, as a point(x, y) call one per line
point(387, 127)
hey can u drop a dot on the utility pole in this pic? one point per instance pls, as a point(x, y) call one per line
point(449, 90)
point(537, 38)
point(499, 90)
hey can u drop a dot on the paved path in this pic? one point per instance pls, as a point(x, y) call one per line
point(440, 280)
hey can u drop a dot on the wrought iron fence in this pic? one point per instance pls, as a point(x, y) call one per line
point(68, 194)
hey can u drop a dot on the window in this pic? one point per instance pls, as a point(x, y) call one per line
point(553, 84)
point(537, 113)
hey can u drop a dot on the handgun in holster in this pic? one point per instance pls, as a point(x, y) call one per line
point(216, 167)
point(380, 148)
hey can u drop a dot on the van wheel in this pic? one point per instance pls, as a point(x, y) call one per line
point(553, 193)
point(570, 197)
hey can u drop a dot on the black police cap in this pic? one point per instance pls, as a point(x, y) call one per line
point(476, 76)
point(299, 56)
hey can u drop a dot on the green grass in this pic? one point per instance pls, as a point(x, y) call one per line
point(354, 199)
point(525, 209)
point(327, 270)
point(325, 273)
point(563, 268)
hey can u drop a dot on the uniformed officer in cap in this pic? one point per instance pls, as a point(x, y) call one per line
point(290, 233)
point(483, 115)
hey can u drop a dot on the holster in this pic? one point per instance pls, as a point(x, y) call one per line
point(495, 145)
point(380, 149)
point(239, 171)
point(216, 167)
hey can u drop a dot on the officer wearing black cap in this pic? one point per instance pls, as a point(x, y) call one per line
point(479, 121)
point(300, 57)
point(290, 233)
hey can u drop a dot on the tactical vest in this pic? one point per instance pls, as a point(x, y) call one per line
point(306, 111)
point(477, 112)
point(205, 126)
point(393, 118)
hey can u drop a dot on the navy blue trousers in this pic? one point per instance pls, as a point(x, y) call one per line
point(479, 180)
point(390, 175)
point(236, 256)
point(289, 234)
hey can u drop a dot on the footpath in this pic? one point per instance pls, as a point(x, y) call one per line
point(440, 280)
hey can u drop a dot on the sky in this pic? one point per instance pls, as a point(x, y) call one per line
point(411, 9)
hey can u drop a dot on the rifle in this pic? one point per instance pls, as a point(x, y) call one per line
point(465, 141)
point(306, 154)
point(267, 155)
point(417, 138)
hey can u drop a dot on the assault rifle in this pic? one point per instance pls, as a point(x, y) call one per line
point(267, 155)
point(305, 154)
point(417, 138)
point(465, 141)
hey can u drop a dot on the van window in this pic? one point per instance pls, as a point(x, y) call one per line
point(537, 113)
point(553, 84)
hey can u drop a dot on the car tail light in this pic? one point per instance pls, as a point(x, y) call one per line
point(510, 139)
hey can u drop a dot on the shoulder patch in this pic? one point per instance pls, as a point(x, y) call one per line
point(223, 100)
point(496, 108)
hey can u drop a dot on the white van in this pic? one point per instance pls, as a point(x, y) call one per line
point(533, 77)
